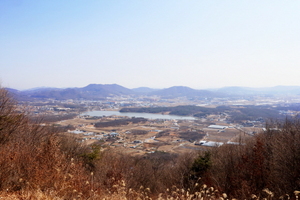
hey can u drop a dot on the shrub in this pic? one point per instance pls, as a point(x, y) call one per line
point(271, 160)
point(31, 157)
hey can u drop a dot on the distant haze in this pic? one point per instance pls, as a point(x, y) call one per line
point(101, 91)
point(155, 44)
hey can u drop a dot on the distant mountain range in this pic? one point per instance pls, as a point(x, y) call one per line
point(144, 90)
point(277, 90)
point(101, 91)
point(181, 91)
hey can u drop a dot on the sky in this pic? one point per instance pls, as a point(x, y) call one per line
point(149, 43)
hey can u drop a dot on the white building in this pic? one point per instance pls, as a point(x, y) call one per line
point(217, 127)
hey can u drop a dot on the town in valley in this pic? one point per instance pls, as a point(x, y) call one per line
point(171, 124)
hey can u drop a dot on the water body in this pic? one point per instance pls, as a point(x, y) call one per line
point(132, 114)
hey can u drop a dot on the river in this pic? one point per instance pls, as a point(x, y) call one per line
point(132, 114)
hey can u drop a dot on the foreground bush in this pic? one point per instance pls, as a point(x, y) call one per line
point(269, 160)
point(31, 157)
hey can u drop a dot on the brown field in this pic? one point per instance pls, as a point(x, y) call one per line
point(167, 135)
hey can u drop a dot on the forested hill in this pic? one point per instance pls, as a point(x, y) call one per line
point(100, 91)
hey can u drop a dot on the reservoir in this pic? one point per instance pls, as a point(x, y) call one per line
point(132, 114)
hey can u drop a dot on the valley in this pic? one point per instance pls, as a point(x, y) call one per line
point(146, 124)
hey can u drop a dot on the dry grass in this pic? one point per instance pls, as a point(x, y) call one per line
point(120, 191)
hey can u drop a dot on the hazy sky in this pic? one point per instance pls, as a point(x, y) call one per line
point(152, 43)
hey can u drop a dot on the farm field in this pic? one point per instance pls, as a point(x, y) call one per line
point(148, 136)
